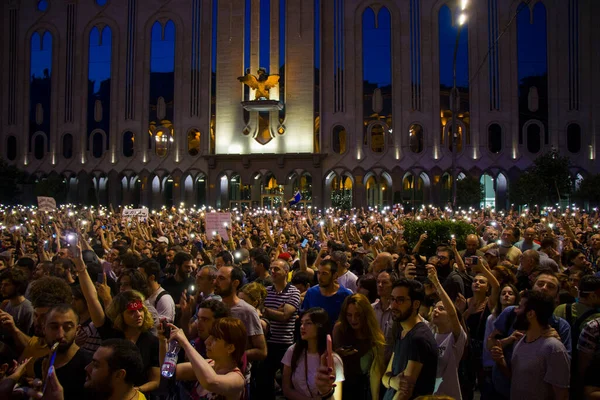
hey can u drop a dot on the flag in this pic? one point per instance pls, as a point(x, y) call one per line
point(296, 199)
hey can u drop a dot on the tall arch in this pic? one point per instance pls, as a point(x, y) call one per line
point(532, 66)
point(377, 77)
point(99, 80)
point(40, 86)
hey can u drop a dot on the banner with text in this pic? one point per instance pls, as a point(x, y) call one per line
point(46, 204)
point(129, 214)
point(217, 223)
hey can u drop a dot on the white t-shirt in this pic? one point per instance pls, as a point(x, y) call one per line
point(348, 280)
point(450, 353)
point(313, 361)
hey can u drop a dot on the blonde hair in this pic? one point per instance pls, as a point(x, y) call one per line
point(255, 292)
point(119, 305)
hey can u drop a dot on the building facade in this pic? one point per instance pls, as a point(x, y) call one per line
point(138, 102)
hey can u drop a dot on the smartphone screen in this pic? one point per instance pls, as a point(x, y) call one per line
point(304, 242)
point(329, 352)
point(100, 278)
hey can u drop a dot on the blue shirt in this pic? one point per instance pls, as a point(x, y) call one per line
point(331, 304)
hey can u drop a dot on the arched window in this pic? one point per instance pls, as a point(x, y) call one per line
point(97, 145)
point(39, 144)
point(574, 138)
point(128, 140)
point(339, 139)
point(377, 138)
point(534, 138)
point(377, 75)
point(40, 92)
point(11, 148)
point(532, 66)
point(67, 146)
point(162, 85)
point(193, 142)
point(42, 5)
point(415, 138)
point(495, 138)
point(99, 80)
point(101, 3)
point(448, 30)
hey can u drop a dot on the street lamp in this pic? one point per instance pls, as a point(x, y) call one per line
point(462, 18)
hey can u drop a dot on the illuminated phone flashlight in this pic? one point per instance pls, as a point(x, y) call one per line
point(71, 237)
point(225, 224)
point(84, 222)
point(452, 236)
point(551, 226)
point(192, 235)
point(238, 255)
point(321, 223)
point(214, 233)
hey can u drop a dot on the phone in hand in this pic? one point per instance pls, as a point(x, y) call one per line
point(473, 260)
point(329, 352)
point(304, 243)
point(165, 328)
point(100, 277)
point(191, 290)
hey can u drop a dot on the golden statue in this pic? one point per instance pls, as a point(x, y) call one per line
point(261, 84)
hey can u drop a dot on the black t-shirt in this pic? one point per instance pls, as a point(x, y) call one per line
point(71, 375)
point(175, 288)
point(147, 343)
point(418, 345)
point(249, 271)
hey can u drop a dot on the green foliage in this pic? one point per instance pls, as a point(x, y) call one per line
point(589, 190)
point(438, 232)
point(53, 186)
point(545, 182)
point(10, 179)
point(469, 192)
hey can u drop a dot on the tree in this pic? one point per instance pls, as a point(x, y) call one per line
point(469, 192)
point(52, 186)
point(589, 190)
point(547, 181)
point(10, 179)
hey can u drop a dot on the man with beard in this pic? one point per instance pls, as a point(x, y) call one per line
point(412, 370)
point(115, 369)
point(227, 283)
point(452, 283)
point(329, 295)
point(175, 285)
point(540, 363)
point(69, 365)
point(506, 335)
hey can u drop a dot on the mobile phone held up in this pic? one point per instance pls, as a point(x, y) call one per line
point(304, 243)
point(329, 352)
point(473, 260)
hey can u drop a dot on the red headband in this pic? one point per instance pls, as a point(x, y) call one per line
point(135, 305)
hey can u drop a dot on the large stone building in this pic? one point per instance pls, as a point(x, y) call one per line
point(137, 101)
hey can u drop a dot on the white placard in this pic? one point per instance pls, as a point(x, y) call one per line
point(129, 214)
point(217, 222)
point(46, 204)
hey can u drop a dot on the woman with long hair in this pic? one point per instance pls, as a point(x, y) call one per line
point(508, 295)
point(303, 359)
point(126, 318)
point(451, 339)
point(219, 376)
point(485, 288)
point(358, 339)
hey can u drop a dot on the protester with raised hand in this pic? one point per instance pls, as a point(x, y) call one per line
point(450, 338)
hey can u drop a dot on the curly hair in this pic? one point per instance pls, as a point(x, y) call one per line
point(49, 291)
point(255, 292)
point(138, 281)
point(119, 305)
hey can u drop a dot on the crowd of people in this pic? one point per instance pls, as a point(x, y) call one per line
point(298, 304)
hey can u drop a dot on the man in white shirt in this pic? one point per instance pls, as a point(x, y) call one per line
point(345, 278)
point(159, 297)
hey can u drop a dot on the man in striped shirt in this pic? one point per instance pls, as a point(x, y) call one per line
point(281, 309)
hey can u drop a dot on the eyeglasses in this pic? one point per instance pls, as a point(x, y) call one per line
point(400, 299)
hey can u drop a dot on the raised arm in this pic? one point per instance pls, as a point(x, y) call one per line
point(446, 301)
point(228, 385)
point(89, 290)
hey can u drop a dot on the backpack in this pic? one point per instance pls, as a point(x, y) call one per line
point(575, 331)
point(160, 295)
